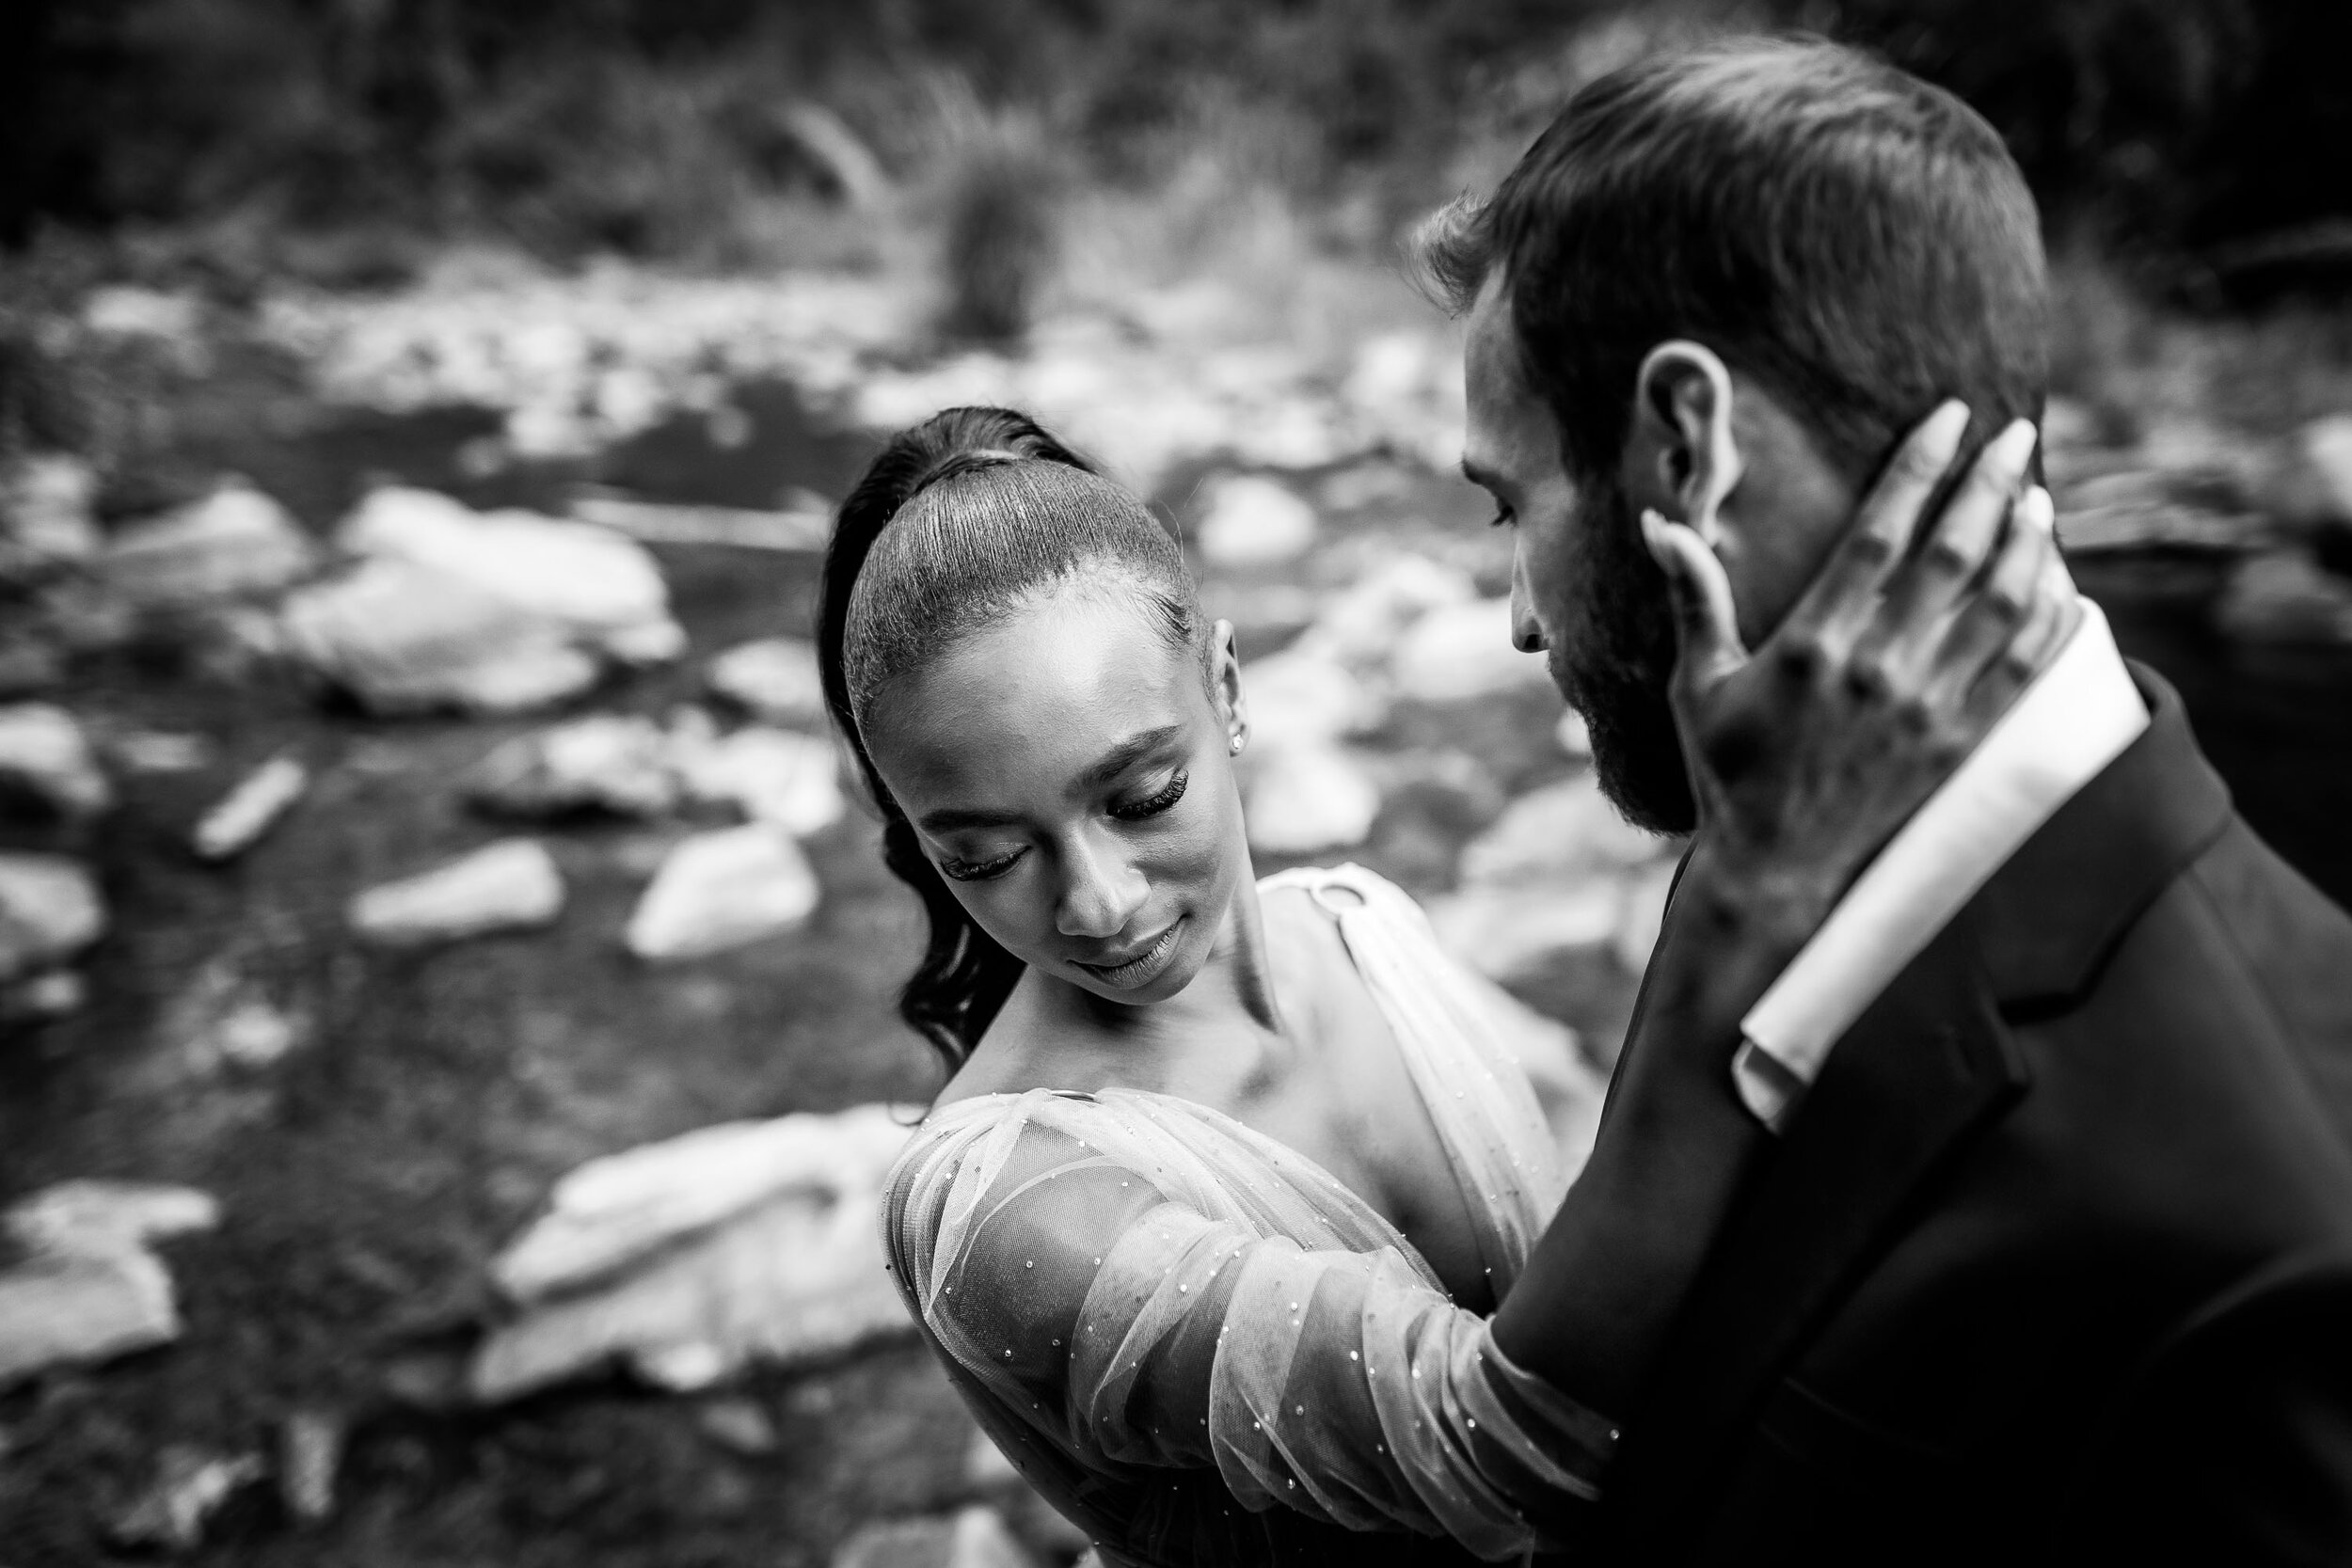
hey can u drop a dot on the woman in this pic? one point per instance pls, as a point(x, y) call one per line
point(1207, 1220)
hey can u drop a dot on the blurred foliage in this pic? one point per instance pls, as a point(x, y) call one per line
point(665, 127)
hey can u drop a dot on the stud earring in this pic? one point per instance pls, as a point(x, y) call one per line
point(1236, 745)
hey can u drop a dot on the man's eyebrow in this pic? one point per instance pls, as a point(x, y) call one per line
point(1125, 755)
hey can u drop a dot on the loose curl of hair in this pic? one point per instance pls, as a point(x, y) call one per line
point(957, 522)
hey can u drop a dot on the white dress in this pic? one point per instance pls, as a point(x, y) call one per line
point(1203, 1348)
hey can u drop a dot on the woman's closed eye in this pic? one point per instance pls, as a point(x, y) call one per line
point(980, 871)
point(1134, 811)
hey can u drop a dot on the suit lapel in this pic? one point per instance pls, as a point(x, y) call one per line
point(1929, 1065)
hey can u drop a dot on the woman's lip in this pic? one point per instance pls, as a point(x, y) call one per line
point(1142, 963)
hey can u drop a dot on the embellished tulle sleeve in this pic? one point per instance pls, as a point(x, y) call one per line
point(1134, 1285)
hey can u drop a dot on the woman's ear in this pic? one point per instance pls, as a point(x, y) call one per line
point(1233, 706)
point(1680, 455)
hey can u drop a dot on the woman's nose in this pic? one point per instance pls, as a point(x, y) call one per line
point(1101, 890)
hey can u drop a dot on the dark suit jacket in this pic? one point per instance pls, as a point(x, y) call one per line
point(2054, 1263)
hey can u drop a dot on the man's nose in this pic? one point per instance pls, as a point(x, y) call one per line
point(1527, 633)
point(1101, 889)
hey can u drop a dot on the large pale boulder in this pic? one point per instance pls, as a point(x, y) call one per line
point(236, 543)
point(608, 762)
point(1298, 697)
point(510, 885)
point(1562, 830)
point(692, 1258)
point(1304, 799)
point(1459, 652)
point(87, 1288)
point(721, 889)
point(404, 638)
point(50, 909)
point(780, 777)
point(1361, 624)
point(588, 581)
point(774, 679)
point(1246, 520)
point(45, 758)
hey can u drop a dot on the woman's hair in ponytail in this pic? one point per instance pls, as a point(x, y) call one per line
point(956, 523)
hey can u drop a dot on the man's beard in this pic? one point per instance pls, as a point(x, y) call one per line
point(1618, 669)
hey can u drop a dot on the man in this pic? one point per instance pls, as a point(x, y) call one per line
point(2050, 1259)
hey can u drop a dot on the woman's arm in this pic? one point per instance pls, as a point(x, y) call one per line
point(1805, 757)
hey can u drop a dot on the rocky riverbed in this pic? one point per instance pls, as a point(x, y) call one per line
point(446, 974)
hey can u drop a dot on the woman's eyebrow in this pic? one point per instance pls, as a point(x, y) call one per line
point(1123, 756)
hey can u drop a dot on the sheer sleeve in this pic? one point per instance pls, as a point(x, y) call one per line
point(1137, 1286)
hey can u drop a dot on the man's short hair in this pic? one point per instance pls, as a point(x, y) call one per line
point(1857, 240)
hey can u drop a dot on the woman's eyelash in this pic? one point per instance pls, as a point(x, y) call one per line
point(1157, 804)
point(980, 871)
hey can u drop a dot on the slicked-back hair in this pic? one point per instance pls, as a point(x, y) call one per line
point(1857, 240)
point(957, 523)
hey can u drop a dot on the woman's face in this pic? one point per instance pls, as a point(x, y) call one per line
point(1071, 776)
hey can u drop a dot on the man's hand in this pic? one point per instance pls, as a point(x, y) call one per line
point(1807, 754)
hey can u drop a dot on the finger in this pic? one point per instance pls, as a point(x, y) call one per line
point(1925, 586)
point(1706, 621)
point(1990, 618)
point(1843, 592)
point(2056, 611)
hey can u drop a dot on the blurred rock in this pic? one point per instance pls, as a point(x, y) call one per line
point(1563, 830)
point(221, 1021)
point(975, 1538)
point(2156, 509)
point(28, 664)
point(589, 582)
point(510, 885)
point(190, 1487)
point(1643, 915)
point(724, 889)
point(235, 543)
point(159, 751)
point(251, 809)
point(2314, 482)
point(408, 638)
point(694, 1257)
point(47, 761)
point(740, 1426)
point(2285, 598)
point(73, 1310)
point(46, 523)
point(1458, 652)
point(310, 1455)
point(40, 998)
point(1510, 933)
point(1361, 624)
point(50, 909)
point(609, 762)
point(1297, 697)
point(1574, 735)
point(788, 780)
point(96, 1219)
point(87, 1290)
point(774, 679)
point(1246, 520)
point(1306, 798)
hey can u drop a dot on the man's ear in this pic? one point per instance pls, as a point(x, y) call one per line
point(1233, 706)
point(1680, 455)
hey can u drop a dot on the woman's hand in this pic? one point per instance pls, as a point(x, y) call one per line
point(1806, 756)
point(1809, 754)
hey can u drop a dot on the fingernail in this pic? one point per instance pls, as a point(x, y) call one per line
point(1654, 535)
point(1948, 424)
point(2013, 446)
point(2036, 507)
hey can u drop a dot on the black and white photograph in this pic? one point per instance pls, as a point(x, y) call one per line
point(1175, 783)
